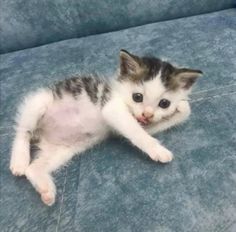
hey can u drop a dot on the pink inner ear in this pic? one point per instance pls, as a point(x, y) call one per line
point(187, 79)
point(128, 63)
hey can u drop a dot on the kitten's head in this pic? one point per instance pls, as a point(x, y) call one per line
point(152, 88)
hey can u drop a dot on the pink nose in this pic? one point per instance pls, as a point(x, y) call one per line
point(147, 114)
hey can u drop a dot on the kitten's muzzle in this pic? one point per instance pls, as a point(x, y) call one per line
point(144, 120)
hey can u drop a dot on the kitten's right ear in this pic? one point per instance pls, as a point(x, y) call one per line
point(129, 64)
point(185, 77)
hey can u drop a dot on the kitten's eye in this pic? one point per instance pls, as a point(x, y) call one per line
point(137, 97)
point(164, 103)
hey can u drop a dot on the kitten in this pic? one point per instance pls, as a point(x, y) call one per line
point(148, 96)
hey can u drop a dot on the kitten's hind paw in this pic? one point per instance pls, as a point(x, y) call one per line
point(48, 198)
point(43, 183)
point(18, 166)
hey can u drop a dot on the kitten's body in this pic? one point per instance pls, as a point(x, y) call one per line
point(72, 120)
point(78, 113)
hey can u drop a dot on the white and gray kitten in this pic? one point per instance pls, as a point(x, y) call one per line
point(148, 96)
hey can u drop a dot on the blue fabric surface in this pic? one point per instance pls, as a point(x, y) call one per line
point(114, 187)
point(25, 24)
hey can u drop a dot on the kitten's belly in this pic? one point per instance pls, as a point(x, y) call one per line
point(70, 122)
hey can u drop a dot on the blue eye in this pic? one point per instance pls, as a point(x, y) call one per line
point(137, 97)
point(164, 103)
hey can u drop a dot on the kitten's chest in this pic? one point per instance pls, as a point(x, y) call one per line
point(70, 121)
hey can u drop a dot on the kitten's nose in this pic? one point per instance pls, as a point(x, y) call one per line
point(148, 112)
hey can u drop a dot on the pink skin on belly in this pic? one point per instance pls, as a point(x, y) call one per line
point(65, 122)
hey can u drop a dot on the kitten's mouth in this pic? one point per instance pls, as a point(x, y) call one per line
point(143, 121)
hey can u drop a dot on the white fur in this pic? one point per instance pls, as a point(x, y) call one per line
point(31, 110)
point(119, 118)
point(153, 92)
point(183, 113)
point(71, 126)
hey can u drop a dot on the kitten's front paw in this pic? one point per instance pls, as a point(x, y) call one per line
point(160, 153)
point(18, 166)
point(165, 155)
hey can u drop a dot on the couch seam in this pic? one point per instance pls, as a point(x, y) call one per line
point(78, 182)
point(213, 89)
point(62, 202)
point(212, 97)
point(227, 226)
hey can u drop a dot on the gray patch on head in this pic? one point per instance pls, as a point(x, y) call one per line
point(140, 69)
point(167, 73)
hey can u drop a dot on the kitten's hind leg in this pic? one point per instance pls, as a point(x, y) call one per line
point(30, 111)
point(49, 159)
point(20, 157)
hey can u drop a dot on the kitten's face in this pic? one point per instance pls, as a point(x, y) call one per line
point(150, 101)
point(152, 89)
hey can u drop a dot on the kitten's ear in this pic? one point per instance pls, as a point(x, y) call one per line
point(185, 78)
point(129, 64)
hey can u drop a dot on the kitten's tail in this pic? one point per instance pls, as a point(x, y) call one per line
point(30, 111)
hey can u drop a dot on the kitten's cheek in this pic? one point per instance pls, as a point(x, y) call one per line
point(138, 113)
point(156, 118)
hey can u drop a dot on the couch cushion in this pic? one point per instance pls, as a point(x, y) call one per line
point(115, 187)
point(25, 24)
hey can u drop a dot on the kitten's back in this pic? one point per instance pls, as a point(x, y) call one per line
point(97, 89)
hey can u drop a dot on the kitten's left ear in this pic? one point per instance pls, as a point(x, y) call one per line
point(187, 77)
point(129, 63)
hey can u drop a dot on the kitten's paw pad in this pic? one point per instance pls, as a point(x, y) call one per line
point(48, 198)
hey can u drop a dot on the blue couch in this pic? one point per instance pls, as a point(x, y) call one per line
point(114, 187)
